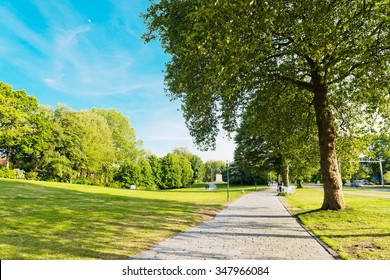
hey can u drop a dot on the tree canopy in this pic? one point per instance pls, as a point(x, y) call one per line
point(225, 53)
point(96, 146)
point(17, 109)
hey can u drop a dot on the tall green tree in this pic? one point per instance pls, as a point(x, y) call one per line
point(187, 174)
point(64, 158)
point(96, 144)
point(282, 126)
point(171, 171)
point(225, 52)
point(16, 110)
point(128, 175)
point(197, 164)
point(28, 156)
point(155, 164)
point(127, 147)
point(146, 180)
point(198, 168)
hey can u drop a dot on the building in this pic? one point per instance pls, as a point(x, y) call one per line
point(3, 161)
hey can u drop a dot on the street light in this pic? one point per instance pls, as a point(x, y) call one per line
point(227, 171)
point(380, 166)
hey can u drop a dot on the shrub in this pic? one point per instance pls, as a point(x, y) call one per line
point(386, 177)
point(114, 184)
point(32, 175)
point(8, 173)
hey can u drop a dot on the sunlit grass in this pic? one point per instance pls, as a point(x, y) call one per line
point(362, 231)
point(42, 220)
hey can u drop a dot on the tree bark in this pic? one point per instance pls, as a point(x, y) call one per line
point(285, 175)
point(333, 192)
point(7, 157)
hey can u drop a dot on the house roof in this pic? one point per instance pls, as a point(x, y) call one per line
point(3, 161)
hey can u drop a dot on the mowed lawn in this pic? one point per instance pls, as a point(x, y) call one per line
point(362, 231)
point(42, 220)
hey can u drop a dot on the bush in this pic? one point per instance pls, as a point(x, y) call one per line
point(86, 181)
point(32, 175)
point(114, 184)
point(386, 177)
point(8, 173)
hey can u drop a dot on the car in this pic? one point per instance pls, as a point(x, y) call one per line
point(357, 184)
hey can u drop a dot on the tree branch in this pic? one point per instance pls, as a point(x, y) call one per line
point(300, 84)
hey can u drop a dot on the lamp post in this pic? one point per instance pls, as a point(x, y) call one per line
point(227, 171)
point(380, 166)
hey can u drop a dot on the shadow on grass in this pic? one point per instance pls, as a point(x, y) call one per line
point(53, 223)
point(309, 212)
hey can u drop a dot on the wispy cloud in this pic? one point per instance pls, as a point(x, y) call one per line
point(76, 55)
point(93, 57)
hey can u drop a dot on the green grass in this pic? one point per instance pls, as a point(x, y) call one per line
point(362, 231)
point(42, 220)
point(366, 191)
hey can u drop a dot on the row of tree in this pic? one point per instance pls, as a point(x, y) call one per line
point(62, 144)
point(278, 133)
point(96, 146)
point(302, 75)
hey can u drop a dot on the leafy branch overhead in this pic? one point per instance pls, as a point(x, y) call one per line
point(224, 54)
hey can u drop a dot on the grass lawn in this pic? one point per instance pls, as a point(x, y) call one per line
point(42, 220)
point(362, 231)
point(367, 191)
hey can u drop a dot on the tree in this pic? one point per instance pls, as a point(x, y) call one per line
point(63, 158)
point(128, 175)
point(146, 180)
point(32, 146)
point(386, 177)
point(197, 165)
point(16, 110)
point(155, 165)
point(127, 147)
point(253, 153)
point(379, 148)
point(277, 132)
point(183, 151)
point(225, 52)
point(96, 144)
point(213, 167)
point(171, 171)
point(81, 148)
point(187, 174)
point(198, 168)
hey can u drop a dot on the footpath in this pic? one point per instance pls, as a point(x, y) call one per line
point(256, 226)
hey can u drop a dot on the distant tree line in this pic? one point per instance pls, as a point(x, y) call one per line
point(96, 146)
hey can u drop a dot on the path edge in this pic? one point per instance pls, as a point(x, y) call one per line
point(331, 251)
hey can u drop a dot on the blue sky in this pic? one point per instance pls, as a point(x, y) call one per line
point(87, 54)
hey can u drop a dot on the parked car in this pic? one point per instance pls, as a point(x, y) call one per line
point(357, 184)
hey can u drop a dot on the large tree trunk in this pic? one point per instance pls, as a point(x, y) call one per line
point(333, 192)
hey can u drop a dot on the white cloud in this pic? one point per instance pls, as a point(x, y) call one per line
point(50, 82)
point(67, 39)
